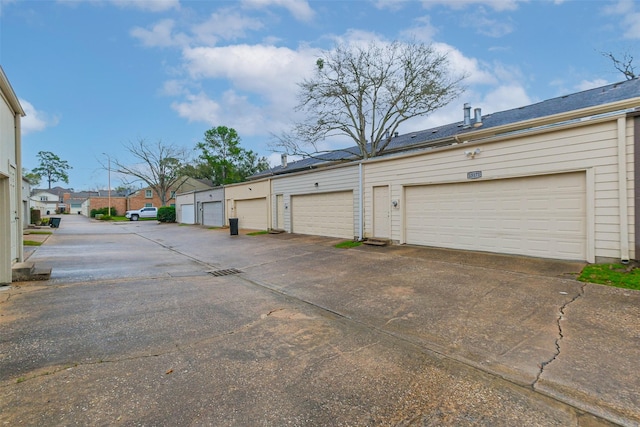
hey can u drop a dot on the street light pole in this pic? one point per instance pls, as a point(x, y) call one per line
point(108, 157)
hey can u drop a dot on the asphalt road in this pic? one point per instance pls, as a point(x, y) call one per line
point(155, 324)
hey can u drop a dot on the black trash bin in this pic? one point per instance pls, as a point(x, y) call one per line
point(233, 226)
point(54, 222)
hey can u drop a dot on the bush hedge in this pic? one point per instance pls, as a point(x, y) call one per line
point(103, 211)
point(167, 214)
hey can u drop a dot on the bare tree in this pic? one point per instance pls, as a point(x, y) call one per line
point(366, 93)
point(624, 65)
point(159, 166)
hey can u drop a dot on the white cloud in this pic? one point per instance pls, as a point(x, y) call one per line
point(225, 25)
point(149, 5)
point(497, 5)
point(174, 88)
point(357, 38)
point(300, 9)
point(619, 7)
point(488, 26)
point(34, 120)
point(422, 31)
point(390, 4)
point(198, 108)
point(268, 71)
point(505, 97)
point(470, 67)
point(231, 110)
point(590, 84)
point(262, 83)
point(160, 35)
point(630, 16)
point(145, 5)
point(5, 3)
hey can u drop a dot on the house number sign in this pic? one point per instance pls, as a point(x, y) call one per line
point(474, 175)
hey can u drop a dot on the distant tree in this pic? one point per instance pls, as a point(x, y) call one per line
point(198, 169)
point(33, 178)
point(225, 159)
point(52, 168)
point(623, 64)
point(366, 93)
point(159, 166)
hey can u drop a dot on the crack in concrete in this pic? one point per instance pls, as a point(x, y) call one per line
point(7, 298)
point(562, 310)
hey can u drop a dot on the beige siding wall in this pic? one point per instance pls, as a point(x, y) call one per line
point(589, 146)
point(343, 178)
point(246, 191)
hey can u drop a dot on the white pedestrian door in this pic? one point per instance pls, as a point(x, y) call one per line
point(381, 210)
point(280, 212)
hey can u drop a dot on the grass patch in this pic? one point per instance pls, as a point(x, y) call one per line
point(257, 233)
point(114, 218)
point(31, 243)
point(618, 275)
point(40, 232)
point(348, 244)
point(214, 228)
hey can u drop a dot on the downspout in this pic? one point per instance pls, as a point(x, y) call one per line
point(622, 190)
point(18, 148)
point(636, 181)
point(360, 207)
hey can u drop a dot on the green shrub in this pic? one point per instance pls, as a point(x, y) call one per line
point(35, 216)
point(103, 211)
point(167, 214)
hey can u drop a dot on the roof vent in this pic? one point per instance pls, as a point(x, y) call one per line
point(477, 120)
point(283, 158)
point(467, 116)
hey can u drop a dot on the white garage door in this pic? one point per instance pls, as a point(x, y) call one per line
point(252, 213)
point(212, 214)
point(186, 214)
point(325, 214)
point(541, 216)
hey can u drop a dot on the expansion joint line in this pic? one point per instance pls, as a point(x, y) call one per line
point(561, 315)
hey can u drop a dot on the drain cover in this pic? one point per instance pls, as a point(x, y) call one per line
point(226, 272)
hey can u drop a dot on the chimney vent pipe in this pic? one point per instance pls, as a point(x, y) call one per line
point(477, 118)
point(467, 116)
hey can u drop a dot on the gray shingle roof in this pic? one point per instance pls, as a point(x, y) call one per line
point(589, 98)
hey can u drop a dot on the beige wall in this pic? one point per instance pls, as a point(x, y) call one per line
point(329, 180)
point(247, 191)
point(11, 212)
point(591, 146)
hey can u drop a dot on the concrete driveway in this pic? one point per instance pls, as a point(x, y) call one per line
point(155, 324)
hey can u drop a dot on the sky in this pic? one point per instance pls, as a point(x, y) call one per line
point(95, 75)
